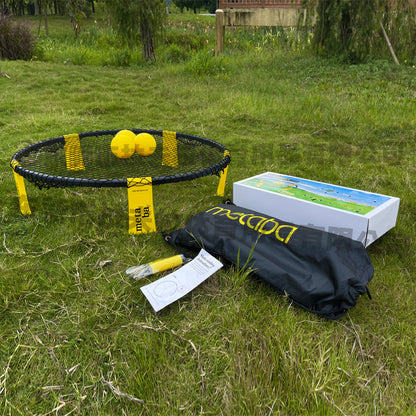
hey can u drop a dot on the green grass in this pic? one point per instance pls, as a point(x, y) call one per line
point(80, 338)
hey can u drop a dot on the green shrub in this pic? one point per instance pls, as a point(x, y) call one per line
point(187, 41)
point(123, 58)
point(16, 40)
point(175, 54)
point(205, 63)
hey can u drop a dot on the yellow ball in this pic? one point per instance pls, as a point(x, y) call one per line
point(123, 144)
point(145, 144)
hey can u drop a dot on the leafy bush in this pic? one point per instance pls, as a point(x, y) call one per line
point(187, 41)
point(16, 40)
point(204, 63)
point(175, 54)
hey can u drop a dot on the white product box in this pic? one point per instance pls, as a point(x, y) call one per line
point(359, 215)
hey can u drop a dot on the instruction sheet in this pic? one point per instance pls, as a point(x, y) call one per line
point(172, 287)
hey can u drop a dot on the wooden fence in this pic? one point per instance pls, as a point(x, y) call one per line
point(259, 4)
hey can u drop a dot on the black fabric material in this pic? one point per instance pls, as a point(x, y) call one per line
point(321, 272)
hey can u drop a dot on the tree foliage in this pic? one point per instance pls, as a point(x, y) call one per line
point(343, 27)
point(138, 21)
point(196, 5)
point(32, 7)
point(351, 29)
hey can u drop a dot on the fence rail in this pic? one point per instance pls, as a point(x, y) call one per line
point(258, 4)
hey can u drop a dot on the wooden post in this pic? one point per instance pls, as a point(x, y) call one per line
point(219, 32)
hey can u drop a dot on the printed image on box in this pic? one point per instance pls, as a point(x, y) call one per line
point(356, 214)
point(320, 193)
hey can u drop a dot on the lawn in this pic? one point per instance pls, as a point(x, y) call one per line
point(77, 334)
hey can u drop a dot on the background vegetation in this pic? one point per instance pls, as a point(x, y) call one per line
point(353, 30)
point(78, 336)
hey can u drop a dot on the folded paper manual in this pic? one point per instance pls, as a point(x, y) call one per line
point(172, 287)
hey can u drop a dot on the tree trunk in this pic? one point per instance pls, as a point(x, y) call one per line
point(147, 42)
point(46, 19)
point(346, 30)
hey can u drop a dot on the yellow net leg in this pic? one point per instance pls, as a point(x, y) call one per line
point(223, 177)
point(170, 149)
point(221, 185)
point(22, 195)
point(141, 212)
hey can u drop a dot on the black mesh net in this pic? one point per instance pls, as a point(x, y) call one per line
point(87, 160)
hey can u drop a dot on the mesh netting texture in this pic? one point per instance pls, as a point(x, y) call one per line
point(177, 157)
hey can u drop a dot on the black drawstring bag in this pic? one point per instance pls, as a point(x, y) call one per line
point(321, 272)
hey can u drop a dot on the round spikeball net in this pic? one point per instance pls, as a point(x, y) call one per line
point(86, 159)
point(136, 159)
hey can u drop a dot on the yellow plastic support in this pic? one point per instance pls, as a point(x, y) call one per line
point(21, 191)
point(140, 199)
point(73, 154)
point(223, 177)
point(170, 149)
